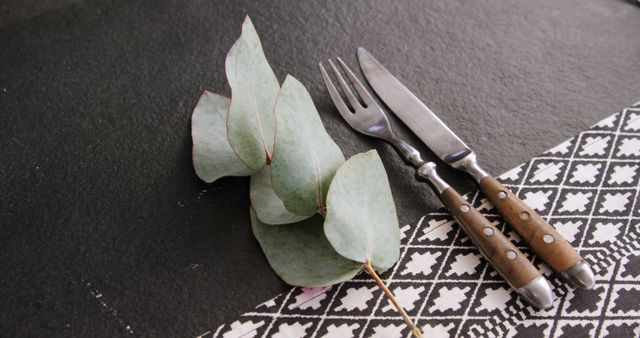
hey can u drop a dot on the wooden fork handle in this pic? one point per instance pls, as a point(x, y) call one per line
point(545, 241)
point(510, 262)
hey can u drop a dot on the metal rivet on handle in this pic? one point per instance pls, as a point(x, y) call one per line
point(511, 254)
point(488, 231)
point(547, 238)
point(502, 195)
point(525, 215)
point(464, 208)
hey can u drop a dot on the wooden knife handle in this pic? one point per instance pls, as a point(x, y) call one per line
point(545, 241)
point(510, 262)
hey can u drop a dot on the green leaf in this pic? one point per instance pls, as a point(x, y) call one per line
point(301, 255)
point(267, 205)
point(212, 155)
point(361, 221)
point(305, 158)
point(254, 88)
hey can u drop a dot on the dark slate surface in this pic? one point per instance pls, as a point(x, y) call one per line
point(12, 11)
point(105, 229)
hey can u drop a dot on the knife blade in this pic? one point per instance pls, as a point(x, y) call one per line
point(424, 123)
point(545, 241)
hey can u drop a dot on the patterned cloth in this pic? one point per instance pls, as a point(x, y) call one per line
point(587, 187)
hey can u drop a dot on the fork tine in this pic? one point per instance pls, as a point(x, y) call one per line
point(353, 100)
point(362, 91)
point(335, 96)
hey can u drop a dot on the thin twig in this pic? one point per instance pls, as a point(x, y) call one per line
point(414, 329)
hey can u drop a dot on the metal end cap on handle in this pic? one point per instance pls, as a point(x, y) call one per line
point(538, 293)
point(579, 275)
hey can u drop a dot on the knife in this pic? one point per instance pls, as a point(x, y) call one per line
point(545, 241)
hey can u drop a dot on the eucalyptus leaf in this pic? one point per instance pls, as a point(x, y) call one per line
point(361, 222)
point(305, 158)
point(254, 88)
point(212, 155)
point(267, 205)
point(301, 255)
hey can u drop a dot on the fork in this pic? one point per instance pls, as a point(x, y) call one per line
point(369, 119)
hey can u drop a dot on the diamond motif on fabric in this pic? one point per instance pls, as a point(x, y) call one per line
point(595, 145)
point(546, 172)
point(537, 200)
point(295, 330)
point(421, 264)
point(624, 300)
point(629, 147)
point(615, 202)
point(450, 298)
point(268, 304)
point(512, 174)
point(623, 174)
point(464, 264)
point(438, 331)
point(356, 298)
point(585, 173)
point(341, 331)
point(437, 230)
point(388, 331)
point(562, 148)
point(609, 122)
point(606, 232)
point(243, 329)
point(633, 122)
point(618, 329)
point(310, 298)
point(494, 299)
point(403, 231)
point(576, 201)
point(630, 267)
point(568, 230)
point(531, 329)
point(584, 302)
point(575, 328)
point(406, 296)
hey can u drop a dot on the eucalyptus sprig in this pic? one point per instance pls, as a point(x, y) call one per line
point(318, 218)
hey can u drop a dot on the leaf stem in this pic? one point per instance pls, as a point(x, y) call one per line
point(322, 211)
point(414, 329)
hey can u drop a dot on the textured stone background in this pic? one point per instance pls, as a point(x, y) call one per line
point(12, 11)
point(105, 229)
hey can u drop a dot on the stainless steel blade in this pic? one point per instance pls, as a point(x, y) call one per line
point(413, 112)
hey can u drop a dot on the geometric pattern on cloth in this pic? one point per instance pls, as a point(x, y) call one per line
point(587, 187)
